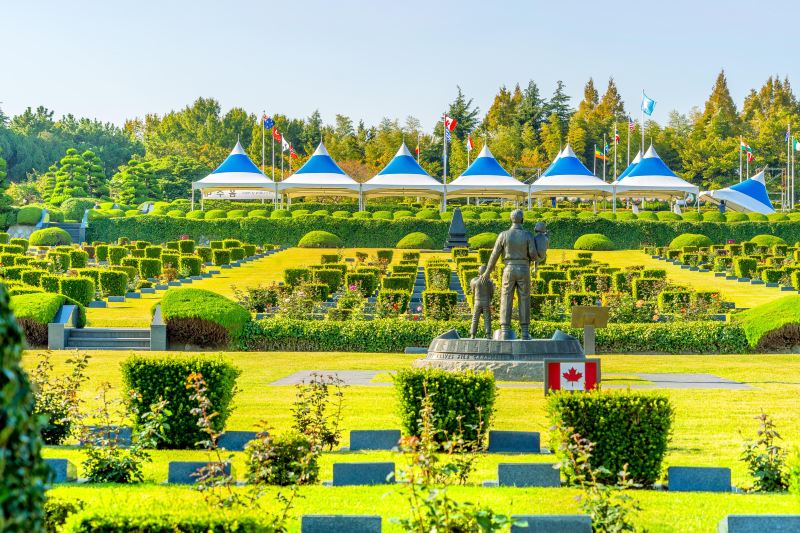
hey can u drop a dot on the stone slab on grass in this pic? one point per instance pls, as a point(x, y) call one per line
point(326, 523)
point(377, 473)
point(374, 439)
point(514, 442)
point(699, 479)
point(528, 475)
point(185, 472)
point(759, 523)
point(234, 441)
point(63, 469)
point(554, 523)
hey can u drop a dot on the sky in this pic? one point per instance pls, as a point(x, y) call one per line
point(115, 60)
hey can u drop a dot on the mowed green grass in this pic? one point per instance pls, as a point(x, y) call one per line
point(136, 312)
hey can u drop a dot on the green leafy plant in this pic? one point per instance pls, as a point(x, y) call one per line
point(765, 459)
point(317, 409)
point(57, 396)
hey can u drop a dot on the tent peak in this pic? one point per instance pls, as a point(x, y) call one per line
point(485, 152)
point(238, 149)
point(568, 152)
point(403, 150)
point(650, 153)
point(321, 150)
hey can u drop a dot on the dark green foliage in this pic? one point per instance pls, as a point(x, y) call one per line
point(593, 241)
point(115, 254)
point(100, 520)
point(482, 241)
point(744, 267)
point(61, 260)
point(158, 378)
point(24, 474)
point(548, 275)
point(56, 511)
point(405, 283)
point(332, 278)
point(169, 258)
point(769, 275)
point(463, 402)
point(281, 460)
point(186, 246)
point(49, 237)
point(320, 239)
point(221, 257)
point(626, 427)
point(15, 272)
point(392, 302)
point(29, 215)
point(249, 250)
point(113, 283)
point(596, 282)
point(153, 252)
point(205, 253)
point(80, 289)
point(33, 277)
point(579, 298)
point(190, 263)
point(149, 268)
point(646, 288)
point(50, 283)
point(690, 239)
point(385, 255)
point(202, 318)
point(237, 253)
point(439, 305)
point(295, 276)
point(329, 258)
point(674, 301)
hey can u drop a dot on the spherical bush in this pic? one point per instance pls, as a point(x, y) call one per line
point(714, 216)
point(668, 216)
point(428, 214)
point(258, 213)
point(482, 240)
point(594, 242)
point(757, 217)
point(237, 213)
point(767, 240)
point(690, 239)
point(489, 215)
point(402, 214)
point(280, 213)
point(647, 215)
point(49, 237)
point(320, 239)
point(416, 241)
point(216, 214)
point(176, 213)
point(777, 217)
point(733, 216)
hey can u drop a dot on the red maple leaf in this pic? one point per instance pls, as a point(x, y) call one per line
point(572, 375)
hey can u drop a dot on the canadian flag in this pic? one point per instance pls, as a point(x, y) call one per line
point(449, 123)
point(572, 375)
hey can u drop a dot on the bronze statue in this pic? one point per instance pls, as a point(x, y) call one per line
point(482, 293)
point(518, 248)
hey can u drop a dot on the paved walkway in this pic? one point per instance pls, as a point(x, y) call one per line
point(363, 378)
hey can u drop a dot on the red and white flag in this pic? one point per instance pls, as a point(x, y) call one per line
point(292, 153)
point(449, 123)
point(276, 135)
point(575, 376)
point(470, 146)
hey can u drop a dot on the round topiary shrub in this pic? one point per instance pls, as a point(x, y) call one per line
point(584, 215)
point(203, 318)
point(692, 216)
point(777, 217)
point(416, 241)
point(263, 213)
point(668, 216)
point(608, 215)
point(29, 215)
point(321, 213)
point(647, 215)
point(469, 215)
point(733, 216)
point(341, 214)
point(403, 213)
point(482, 240)
point(714, 216)
point(300, 213)
point(594, 242)
point(362, 214)
point(280, 213)
point(237, 213)
point(73, 208)
point(428, 214)
point(215, 214)
point(49, 237)
point(489, 215)
point(767, 240)
point(757, 217)
point(176, 213)
point(320, 239)
point(626, 215)
point(382, 215)
point(690, 239)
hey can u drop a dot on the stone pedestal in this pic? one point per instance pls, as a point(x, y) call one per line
point(457, 234)
point(508, 360)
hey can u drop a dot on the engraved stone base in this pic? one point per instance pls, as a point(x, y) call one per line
point(508, 360)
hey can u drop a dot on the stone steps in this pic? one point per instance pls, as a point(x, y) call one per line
point(109, 338)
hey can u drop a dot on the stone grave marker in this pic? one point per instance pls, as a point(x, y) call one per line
point(377, 473)
point(699, 479)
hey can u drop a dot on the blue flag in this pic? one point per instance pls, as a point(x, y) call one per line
point(268, 122)
point(648, 104)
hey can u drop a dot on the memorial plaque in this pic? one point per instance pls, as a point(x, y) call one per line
point(571, 375)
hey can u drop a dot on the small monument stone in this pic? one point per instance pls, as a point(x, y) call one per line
point(457, 234)
point(362, 474)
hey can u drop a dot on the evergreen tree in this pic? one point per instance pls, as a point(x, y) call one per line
point(71, 178)
point(97, 182)
point(134, 183)
point(465, 113)
point(552, 137)
point(532, 108)
point(559, 104)
point(719, 117)
point(502, 112)
point(5, 199)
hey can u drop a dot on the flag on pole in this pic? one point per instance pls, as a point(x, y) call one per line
point(631, 124)
point(470, 146)
point(416, 150)
point(599, 155)
point(648, 104)
point(750, 157)
point(605, 149)
point(292, 153)
point(745, 147)
point(276, 135)
point(450, 123)
point(616, 136)
point(284, 144)
point(268, 122)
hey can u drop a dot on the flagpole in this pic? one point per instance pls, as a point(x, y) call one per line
point(630, 119)
point(263, 156)
point(444, 159)
point(788, 155)
point(791, 202)
point(468, 148)
point(273, 154)
point(418, 150)
point(616, 133)
point(605, 157)
point(594, 161)
point(281, 159)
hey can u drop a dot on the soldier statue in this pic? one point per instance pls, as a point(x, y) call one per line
point(518, 248)
point(482, 293)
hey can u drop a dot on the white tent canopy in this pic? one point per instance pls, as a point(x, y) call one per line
point(651, 178)
point(320, 176)
point(630, 167)
point(567, 176)
point(485, 177)
point(236, 173)
point(747, 196)
point(402, 176)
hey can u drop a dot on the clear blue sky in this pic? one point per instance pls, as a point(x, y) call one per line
point(369, 59)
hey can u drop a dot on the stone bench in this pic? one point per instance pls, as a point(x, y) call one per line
point(362, 474)
point(324, 523)
point(553, 523)
point(63, 470)
point(185, 472)
point(763, 523)
point(528, 475)
point(698, 479)
point(374, 439)
point(514, 442)
point(235, 441)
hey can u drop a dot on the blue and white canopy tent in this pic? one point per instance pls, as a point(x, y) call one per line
point(402, 177)
point(320, 176)
point(567, 176)
point(652, 178)
point(236, 178)
point(746, 197)
point(630, 167)
point(485, 177)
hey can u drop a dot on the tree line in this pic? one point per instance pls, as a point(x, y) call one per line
point(158, 156)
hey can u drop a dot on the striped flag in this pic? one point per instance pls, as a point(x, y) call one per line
point(631, 124)
point(292, 153)
point(469, 143)
point(616, 136)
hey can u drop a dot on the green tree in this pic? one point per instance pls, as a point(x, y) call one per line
point(5, 199)
point(96, 180)
point(23, 474)
point(559, 104)
point(502, 112)
point(532, 109)
point(173, 176)
point(134, 183)
point(552, 137)
point(71, 178)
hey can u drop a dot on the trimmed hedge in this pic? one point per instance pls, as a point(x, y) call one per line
point(320, 239)
point(626, 427)
point(190, 263)
point(164, 377)
point(199, 317)
point(416, 241)
point(463, 402)
point(772, 326)
point(221, 257)
point(593, 242)
point(113, 283)
point(149, 268)
point(482, 240)
point(690, 239)
point(377, 233)
point(49, 237)
point(80, 289)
